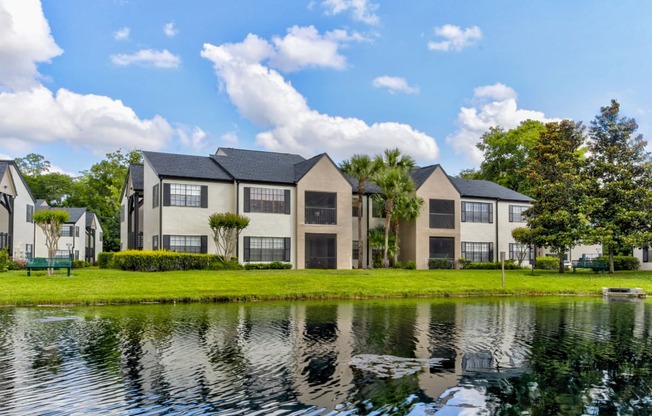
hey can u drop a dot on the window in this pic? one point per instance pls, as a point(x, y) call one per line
point(377, 209)
point(181, 195)
point(355, 250)
point(477, 212)
point(63, 254)
point(354, 208)
point(30, 213)
point(321, 208)
point(155, 196)
point(122, 213)
point(442, 248)
point(67, 231)
point(515, 251)
point(185, 243)
point(442, 213)
point(266, 249)
point(155, 242)
point(76, 231)
point(646, 255)
point(29, 250)
point(478, 251)
point(516, 213)
point(268, 200)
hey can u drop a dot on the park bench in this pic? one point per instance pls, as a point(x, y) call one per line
point(595, 265)
point(44, 263)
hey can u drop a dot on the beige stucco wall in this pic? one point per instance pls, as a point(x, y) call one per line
point(415, 236)
point(267, 224)
point(325, 177)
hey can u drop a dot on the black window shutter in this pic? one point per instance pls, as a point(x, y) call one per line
point(247, 206)
point(247, 244)
point(204, 196)
point(204, 244)
point(491, 213)
point(166, 242)
point(286, 252)
point(463, 211)
point(166, 194)
point(491, 251)
point(287, 201)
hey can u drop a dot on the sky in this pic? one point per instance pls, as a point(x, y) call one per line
point(83, 78)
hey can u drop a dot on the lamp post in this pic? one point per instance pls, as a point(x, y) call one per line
point(69, 250)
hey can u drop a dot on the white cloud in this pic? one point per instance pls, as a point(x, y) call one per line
point(455, 38)
point(195, 139)
point(25, 40)
point(494, 105)
point(361, 10)
point(394, 85)
point(263, 96)
point(148, 57)
point(230, 139)
point(170, 30)
point(122, 34)
point(5, 157)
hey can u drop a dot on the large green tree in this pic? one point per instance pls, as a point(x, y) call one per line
point(621, 174)
point(33, 164)
point(406, 208)
point(361, 168)
point(558, 218)
point(392, 177)
point(506, 154)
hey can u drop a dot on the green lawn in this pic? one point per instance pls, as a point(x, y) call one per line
point(98, 286)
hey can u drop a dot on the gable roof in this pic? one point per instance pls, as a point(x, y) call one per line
point(172, 165)
point(420, 175)
point(137, 173)
point(488, 190)
point(258, 166)
point(4, 166)
point(300, 169)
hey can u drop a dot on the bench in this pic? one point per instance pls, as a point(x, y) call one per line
point(595, 265)
point(44, 263)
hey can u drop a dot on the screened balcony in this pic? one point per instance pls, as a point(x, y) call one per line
point(321, 208)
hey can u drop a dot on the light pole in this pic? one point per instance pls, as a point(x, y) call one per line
point(69, 250)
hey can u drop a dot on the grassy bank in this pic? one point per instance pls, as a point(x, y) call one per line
point(97, 286)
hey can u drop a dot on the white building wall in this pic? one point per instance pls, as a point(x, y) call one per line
point(124, 234)
point(151, 216)
point(76, 243)
point(23, 232)
point(479, 232)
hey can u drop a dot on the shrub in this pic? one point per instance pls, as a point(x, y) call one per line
point(398, 265)
point(218, 263)
point(492, 265)
point(18, 264)
point(4, 261)
point(463, 262)
point(275, 265)
point(547, 263)
point(105, 260)
point(159, 261)
point(411, 265)
point(80, 264)
point(440, 264)
point(622, 262)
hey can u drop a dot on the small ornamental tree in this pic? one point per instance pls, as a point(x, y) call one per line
point(226, 229)
point(50, 222)
point(523, 236)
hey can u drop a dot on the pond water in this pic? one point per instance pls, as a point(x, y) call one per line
point(552, 356)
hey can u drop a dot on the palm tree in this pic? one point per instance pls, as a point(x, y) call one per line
point(408, 208)
point(392, 176)
point(360, 168)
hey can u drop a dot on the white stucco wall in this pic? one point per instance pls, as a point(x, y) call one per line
point(23, 232)
point(151, 215)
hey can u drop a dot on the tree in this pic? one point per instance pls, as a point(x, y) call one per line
point(376, 238)
point(50, 221)
point(558, 218)
point(361, 168)
point(506, 154)
point(33, 165)
point(621, 174)
point(406, 208)
point(524, 237)
point(392, 177)
point(226, 229)
point(55, 188)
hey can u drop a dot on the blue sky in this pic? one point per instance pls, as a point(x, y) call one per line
point(80, 78)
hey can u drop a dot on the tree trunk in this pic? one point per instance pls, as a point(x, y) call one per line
point(396, 243)
point(611, 260)
point(389, 207)
point(562, 269)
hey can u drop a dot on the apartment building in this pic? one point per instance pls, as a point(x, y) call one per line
point(16, 211)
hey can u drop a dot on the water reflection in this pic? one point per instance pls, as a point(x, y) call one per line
point(494, 356)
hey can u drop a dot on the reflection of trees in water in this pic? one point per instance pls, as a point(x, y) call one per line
point(576, 368)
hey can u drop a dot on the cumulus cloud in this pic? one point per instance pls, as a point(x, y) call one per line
point(230, 139)
point(262, 95)
point(493, 105)
point(455, 38)
point(170, 30)
point(361, 10)
point(394, 85)
point(122, 34)
point(148, 57)
point(194, 139)
point(96, 122)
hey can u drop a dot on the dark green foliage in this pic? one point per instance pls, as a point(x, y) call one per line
point(80, 264)
point(547, 263)
point(440, 264)
point(623, 262)
point(411, 265)
point(18, 264)
point(462, 262)
point(105, 259)
point(159, 261)
point(492, 265)
point(226, 227)
point(218, 263)
point(275, 265)
point(4, 261)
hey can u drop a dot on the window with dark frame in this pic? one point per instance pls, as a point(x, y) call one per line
point(67, 231)
point(29, 250)
point(321, 208)
point(646, 255)
point(442, 248)
point(122, 213)
point(442, 213)
point(267, 249)
point(155, 242)
point(515, 251)
point(185, 243)
point(516, 213)
point(155, 196)
point(477, 212)
point(182, 195)
point(355, 250)
point(267, 200)
point(480, 252)
point(30, 213)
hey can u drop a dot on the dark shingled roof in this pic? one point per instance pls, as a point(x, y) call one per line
point(75, 213)
point(3, 168)
point(186, 166)
point(420, 175)
point(302, 168)
point(89, 218)
point(258, 166)
point(137, 173)
point(486, 189)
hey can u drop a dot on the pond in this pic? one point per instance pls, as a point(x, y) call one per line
point(546, 356)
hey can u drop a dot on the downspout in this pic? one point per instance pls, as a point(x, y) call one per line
point(160, 212)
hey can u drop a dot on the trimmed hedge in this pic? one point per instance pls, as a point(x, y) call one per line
point(440, 264)
point(4, 261)
point(80, 264)
point(104, 259)
point(622, 262)
point(217, 263)
point(492, 265)
point(275, 265)
point(159, 261)
point(547, 263)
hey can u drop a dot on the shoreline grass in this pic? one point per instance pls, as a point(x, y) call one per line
point(93, 286)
